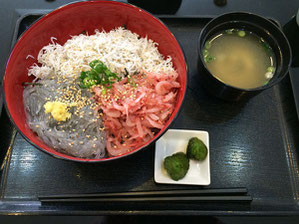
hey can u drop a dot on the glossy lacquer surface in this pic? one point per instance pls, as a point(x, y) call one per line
point(252, 144)
point(73, 19)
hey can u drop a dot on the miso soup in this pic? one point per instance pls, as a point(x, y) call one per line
point(239, 58)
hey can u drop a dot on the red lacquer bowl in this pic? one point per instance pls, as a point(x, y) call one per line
point(72, 19)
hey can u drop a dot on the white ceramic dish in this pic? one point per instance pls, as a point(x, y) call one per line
point(176, 140)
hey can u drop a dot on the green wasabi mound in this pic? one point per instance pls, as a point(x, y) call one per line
point(176, 165)
point(196, 149)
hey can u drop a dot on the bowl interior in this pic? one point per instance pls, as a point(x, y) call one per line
point(73, 19)
point(262, 27)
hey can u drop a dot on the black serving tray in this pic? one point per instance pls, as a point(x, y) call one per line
point(253, 143)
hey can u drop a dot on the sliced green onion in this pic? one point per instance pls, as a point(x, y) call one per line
point(89, 82)
point(94, 63)
point(98, 74)
point(265, 45)
point(207, 45)
point(205, 52)
point(209, 58)
point(269, 75)
point(230, 31)
point(270, 69)
point(241, 33)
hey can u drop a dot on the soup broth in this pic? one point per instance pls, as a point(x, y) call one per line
point(239, 58)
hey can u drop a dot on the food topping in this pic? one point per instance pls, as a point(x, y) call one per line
point(98, 75)
point(196, 149)
point(58, 110)
point(177, 165)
